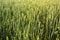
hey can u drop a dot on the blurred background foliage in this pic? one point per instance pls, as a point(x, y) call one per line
point(29, 20)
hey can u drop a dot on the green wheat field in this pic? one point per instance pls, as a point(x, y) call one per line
point(29, 19)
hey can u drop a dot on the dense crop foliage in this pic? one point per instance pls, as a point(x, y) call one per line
point(29, 20)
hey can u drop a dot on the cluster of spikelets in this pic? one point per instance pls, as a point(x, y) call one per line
point(27, 21)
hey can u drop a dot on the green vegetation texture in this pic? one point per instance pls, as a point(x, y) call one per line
point(29, 20)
